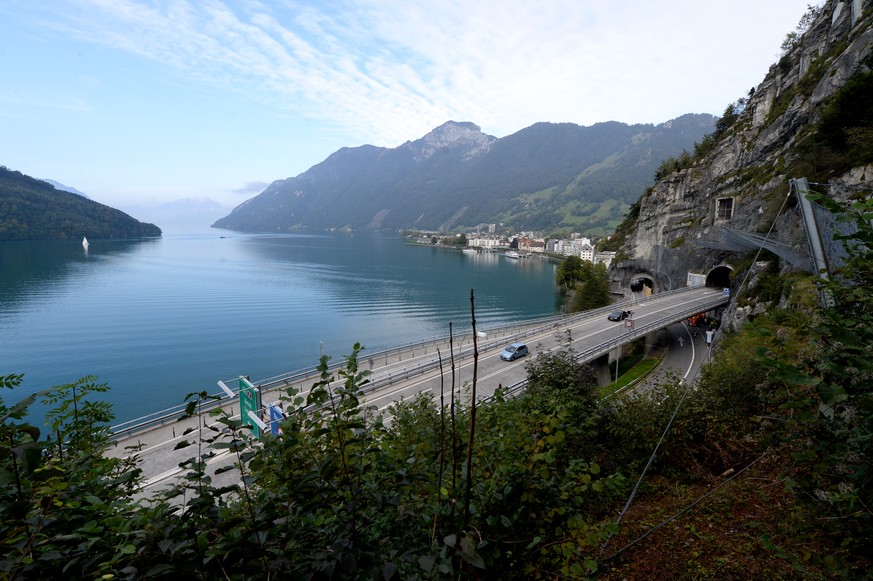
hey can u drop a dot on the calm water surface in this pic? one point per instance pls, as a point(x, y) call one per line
point(157, 319)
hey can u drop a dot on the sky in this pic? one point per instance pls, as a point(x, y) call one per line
point(142, 102)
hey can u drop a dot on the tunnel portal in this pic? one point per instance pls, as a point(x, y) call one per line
point(640, 282)
point(719, 277)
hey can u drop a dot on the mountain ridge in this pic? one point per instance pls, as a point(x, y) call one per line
point(544, 176)
point(33, 209)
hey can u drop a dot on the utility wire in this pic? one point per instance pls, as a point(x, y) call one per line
point(648, 464)
point(689, 507)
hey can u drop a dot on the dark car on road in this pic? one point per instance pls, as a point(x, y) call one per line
point(619, 315)
point(514, 351)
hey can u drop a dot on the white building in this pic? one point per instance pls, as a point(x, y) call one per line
point(586, 252)
point(580, 247)
point(485, 242)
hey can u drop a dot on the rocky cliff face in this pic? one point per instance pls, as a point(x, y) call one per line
point(742, 183)
point(467, 137)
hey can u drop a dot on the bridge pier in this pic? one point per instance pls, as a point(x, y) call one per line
point(650, 343)
point(601, 370)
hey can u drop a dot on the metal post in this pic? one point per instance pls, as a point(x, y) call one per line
point(813, 236)
point(669, 280)
point(617, 358)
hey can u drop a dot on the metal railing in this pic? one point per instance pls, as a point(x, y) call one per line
point(505, 333)
point(635, 333)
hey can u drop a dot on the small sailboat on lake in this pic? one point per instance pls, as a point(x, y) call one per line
point(85, 242)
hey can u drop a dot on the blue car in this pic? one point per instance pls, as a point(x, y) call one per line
point(514, 351)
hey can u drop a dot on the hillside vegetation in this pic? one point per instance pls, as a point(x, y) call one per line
point(32, 209)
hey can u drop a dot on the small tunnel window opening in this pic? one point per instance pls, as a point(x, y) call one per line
point(724, 208)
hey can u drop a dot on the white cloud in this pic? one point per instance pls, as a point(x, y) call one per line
point(391, 70)
point(251, 188)
point(219, 92)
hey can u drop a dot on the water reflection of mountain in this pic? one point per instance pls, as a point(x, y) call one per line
point(33, 267)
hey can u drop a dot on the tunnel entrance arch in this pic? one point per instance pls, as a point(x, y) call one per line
point(643, 283)
point(719, 277)
point(656, 281)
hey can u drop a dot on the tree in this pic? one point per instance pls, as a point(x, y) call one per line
point(569, 272)
point(586, 284)
point(728, 118)
point(593, 292)
point(66, 506)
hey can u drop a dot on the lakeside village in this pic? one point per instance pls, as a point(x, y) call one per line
point(485, 238)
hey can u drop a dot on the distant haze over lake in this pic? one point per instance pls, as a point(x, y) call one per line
point(193, 212)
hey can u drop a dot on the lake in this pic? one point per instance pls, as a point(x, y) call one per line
point(157, 319)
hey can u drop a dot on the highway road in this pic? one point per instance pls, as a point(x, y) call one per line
point(412, 370)
point(685, 352)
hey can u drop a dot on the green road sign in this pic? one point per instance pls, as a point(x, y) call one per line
point(249, 405)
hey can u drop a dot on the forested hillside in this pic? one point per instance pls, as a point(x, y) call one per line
point(32, 209)
point(546, 176)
